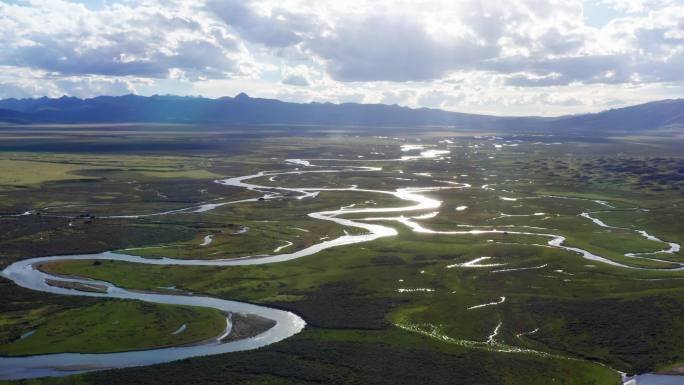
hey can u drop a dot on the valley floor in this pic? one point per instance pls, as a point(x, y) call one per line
point(441, 258)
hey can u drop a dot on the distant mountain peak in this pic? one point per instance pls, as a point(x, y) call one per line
point(243, 109)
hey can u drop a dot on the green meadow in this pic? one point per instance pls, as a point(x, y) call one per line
point(400, 309)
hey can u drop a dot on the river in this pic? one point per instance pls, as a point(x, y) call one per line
point(25, 274)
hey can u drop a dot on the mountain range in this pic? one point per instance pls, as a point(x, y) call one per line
point(245, 110)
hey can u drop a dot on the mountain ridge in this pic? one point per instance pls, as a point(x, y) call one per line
point(245, 110)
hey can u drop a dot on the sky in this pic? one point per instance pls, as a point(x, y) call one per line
point(514, 57)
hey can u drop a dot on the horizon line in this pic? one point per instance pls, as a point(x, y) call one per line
point(246, 96)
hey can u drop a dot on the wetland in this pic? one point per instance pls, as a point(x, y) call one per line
point(197, 256)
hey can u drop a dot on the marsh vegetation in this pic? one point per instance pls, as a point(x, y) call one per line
point(376, 312)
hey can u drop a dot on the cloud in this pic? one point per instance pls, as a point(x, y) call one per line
point(565, 70)
point(402, 97)
point(533, 43)
point(296, 80)
point(469, 55)
point(23, 83)
point(393, 48)
point(278, 28)
point(634, 6)
point(428, 42)
point(536, 43)
point(440, 99)
point(121, 40)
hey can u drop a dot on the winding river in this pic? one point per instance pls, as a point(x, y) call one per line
point(24, 273)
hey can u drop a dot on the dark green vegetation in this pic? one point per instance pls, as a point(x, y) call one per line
point(355, 358)
point(361, 328)
point(650, 173)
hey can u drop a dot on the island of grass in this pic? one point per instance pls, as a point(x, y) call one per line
point(116, 326)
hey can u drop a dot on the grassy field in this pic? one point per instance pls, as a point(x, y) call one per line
point(378, 312)
point(22, 172)
point(113, 326)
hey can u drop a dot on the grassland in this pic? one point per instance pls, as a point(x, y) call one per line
point(591, 318)
point(114, 326)
point(22, 172)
